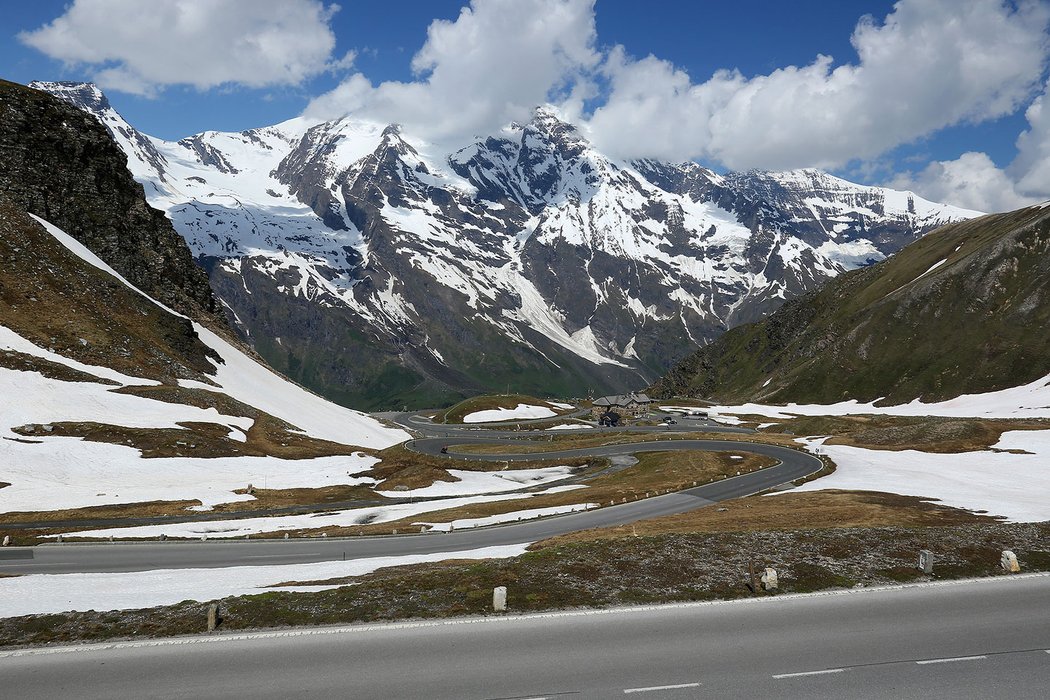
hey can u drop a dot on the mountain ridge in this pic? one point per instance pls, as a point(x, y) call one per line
point(379, 272)
point(964, 310)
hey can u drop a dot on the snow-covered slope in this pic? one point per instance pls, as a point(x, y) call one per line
point(77, 434)
point(373, 268)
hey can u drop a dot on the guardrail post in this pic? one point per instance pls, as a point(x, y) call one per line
point(499, 599)
point(925, 561)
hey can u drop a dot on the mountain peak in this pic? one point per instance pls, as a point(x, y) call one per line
point(548, 120)
point(86, 96)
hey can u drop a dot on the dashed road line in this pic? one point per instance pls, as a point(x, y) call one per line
point(679, 686)
point(951, 660)
point(809, 673)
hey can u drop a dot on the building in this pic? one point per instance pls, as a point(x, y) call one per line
point(621, 406)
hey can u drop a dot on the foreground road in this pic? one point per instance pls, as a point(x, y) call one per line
point(70, 558)
point(976, 639)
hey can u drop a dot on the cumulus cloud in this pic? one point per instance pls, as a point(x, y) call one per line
point(928, 65)
point(973, 180)
point(139, 47)
point(491, 65)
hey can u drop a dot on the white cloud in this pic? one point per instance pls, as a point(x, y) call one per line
point(973, 180)
point(493, 64)
point(930, 64)
point(139, 47)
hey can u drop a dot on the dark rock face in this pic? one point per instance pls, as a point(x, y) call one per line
point(59, 163)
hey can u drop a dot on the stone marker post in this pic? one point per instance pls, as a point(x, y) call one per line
point(7, 540)
point(925, 561)
point(213, 617)
point(1009, 562)
point(499, 599)
point(769, 579)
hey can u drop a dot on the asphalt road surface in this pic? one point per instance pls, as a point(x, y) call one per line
point(144, 556)
point(977, 639)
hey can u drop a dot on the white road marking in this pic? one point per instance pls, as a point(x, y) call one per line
point(809, 673)
point(947, 661)
point(679, 686)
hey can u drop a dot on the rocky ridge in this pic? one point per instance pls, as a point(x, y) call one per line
point(381, 272)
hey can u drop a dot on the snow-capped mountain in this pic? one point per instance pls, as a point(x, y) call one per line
point(378, 270)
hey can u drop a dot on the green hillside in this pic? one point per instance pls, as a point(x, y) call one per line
point(965, 309)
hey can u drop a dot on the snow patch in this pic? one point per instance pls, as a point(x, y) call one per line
point(1015, 486)
point(523, 411)
point(37, 594)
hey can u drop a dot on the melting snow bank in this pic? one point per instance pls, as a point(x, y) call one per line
point(523, 411)
point(1015, 486)
point(246, 380)
point(508, 517)
point(469, 482)
point(306, 521)
point(1028, 401)
point(36, 594)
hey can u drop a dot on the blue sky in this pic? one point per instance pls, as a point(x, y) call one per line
point(597, 68)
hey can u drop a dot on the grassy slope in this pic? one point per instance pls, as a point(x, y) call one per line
point(979, 322)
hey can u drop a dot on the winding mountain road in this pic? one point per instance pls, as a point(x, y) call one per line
point(143, 556)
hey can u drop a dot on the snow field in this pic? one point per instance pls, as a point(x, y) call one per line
point(55, 473)
point(521, 411)
point(1015, 486)
point(35, 594)
point(1028, 401)
point(308, 521)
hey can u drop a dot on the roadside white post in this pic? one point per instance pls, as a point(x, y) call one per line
point(925, 561)
point(213, 617)
point(7, 540)
point(499, 599)
point(1009, 562)
point(769, 579)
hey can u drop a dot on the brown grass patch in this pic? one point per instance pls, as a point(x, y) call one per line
point(266, 437)
point(22, 362)
point(574, 442)
point(108, 512)
point(792, 511)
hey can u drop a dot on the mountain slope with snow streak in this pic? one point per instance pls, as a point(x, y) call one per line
point(381, 272)
point(197, 423)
